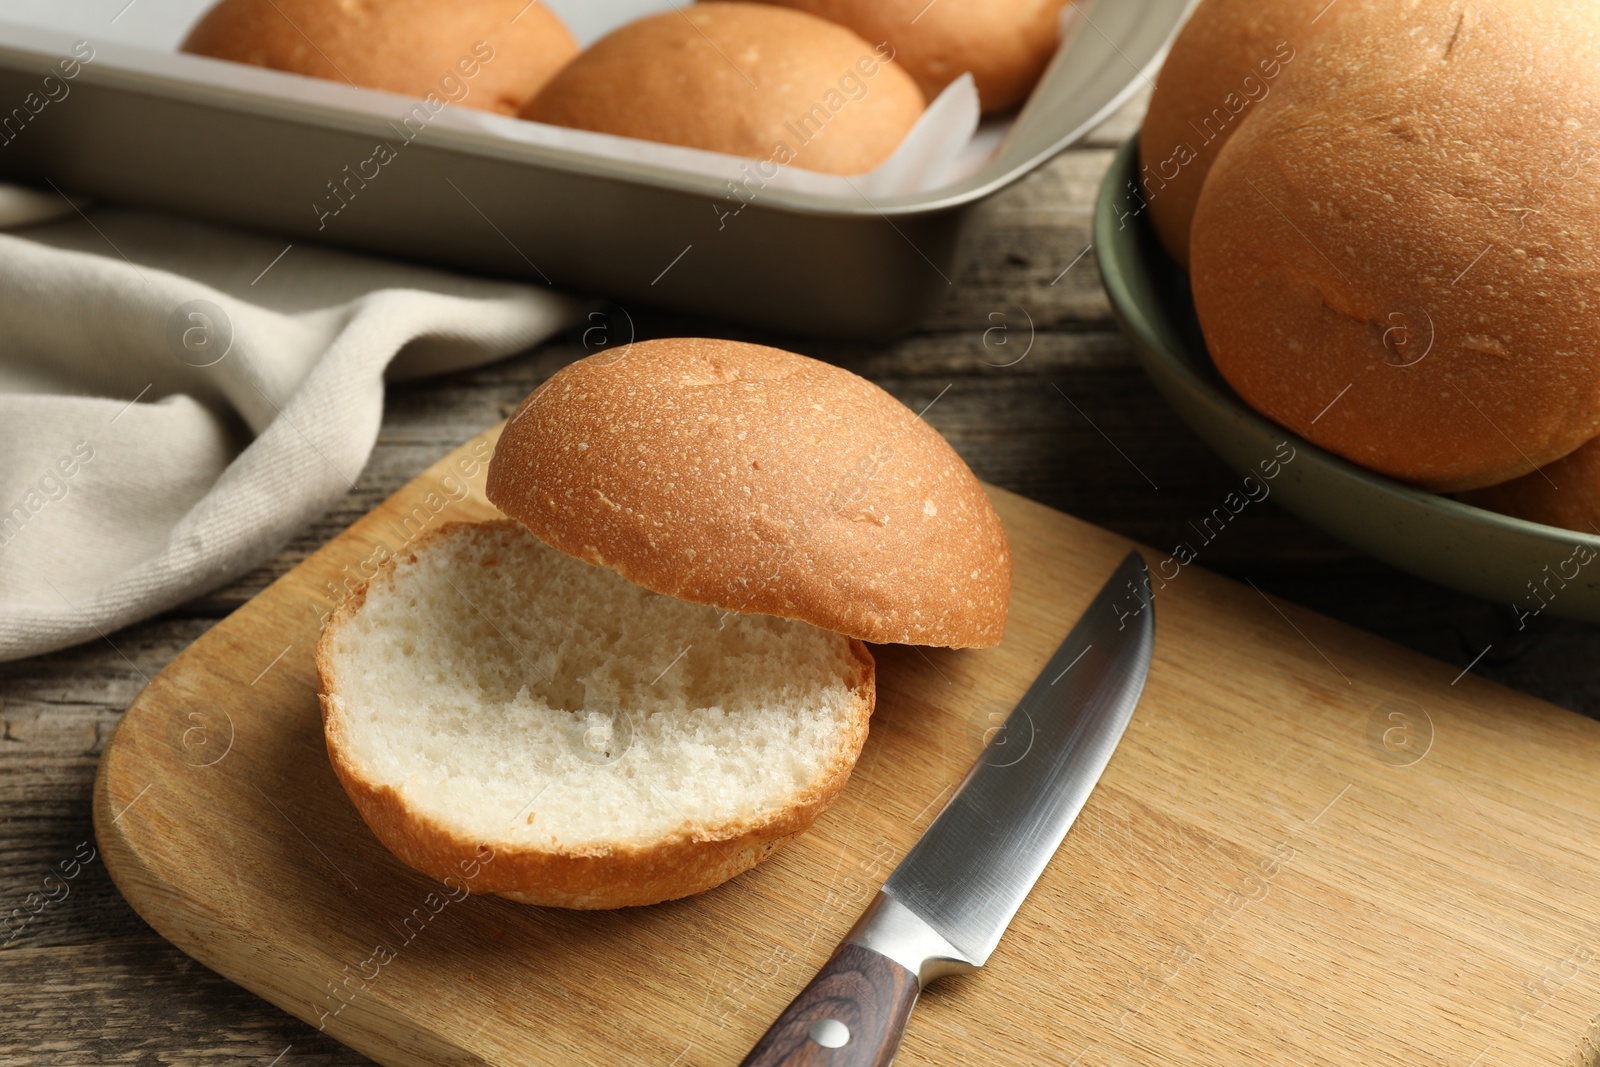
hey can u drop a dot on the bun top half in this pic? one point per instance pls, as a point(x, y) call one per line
point(759, 481)
point(488, 54)
point(1397, 256)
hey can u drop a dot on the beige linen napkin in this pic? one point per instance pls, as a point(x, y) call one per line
point(177, 399)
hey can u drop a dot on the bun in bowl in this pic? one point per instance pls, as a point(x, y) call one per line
point(1226, 60)
point(746, 79)
point(488, 54)
point(1566, 493)
point(1397, 258)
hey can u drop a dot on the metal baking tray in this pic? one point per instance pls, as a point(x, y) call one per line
point(257, 148)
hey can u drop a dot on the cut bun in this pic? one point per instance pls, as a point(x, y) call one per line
point(489, 54)
point(746, 79)
point(1396, 256)
point(1227, 59)
point(494, 706)
point(1004, 44)
point(757, 480)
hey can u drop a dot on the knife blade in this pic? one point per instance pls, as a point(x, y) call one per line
point(946, 906)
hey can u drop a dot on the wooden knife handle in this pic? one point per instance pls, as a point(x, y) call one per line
point(851, 1015)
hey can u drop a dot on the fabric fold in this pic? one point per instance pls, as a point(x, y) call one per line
point(177, 400)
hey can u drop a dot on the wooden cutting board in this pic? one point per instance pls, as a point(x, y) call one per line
point(1312, 847)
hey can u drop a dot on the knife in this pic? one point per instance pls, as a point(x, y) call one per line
point(945, 907)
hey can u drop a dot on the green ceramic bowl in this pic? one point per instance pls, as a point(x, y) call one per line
point(1535, 568)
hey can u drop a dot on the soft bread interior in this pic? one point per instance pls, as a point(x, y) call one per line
point(521, 697)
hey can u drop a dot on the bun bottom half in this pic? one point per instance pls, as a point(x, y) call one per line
point(511, 720)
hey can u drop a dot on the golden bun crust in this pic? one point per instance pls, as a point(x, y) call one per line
point(1396, 256)
point(746, 79)
point(492, 54)
point(591, 877)
point(1227, 58)
point(1566, 493)
point(1005, 44)
point(759, 481)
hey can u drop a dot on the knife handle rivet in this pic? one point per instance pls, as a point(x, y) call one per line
point(830, 1033)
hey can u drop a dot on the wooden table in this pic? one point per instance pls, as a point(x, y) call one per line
point(1028, 378)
